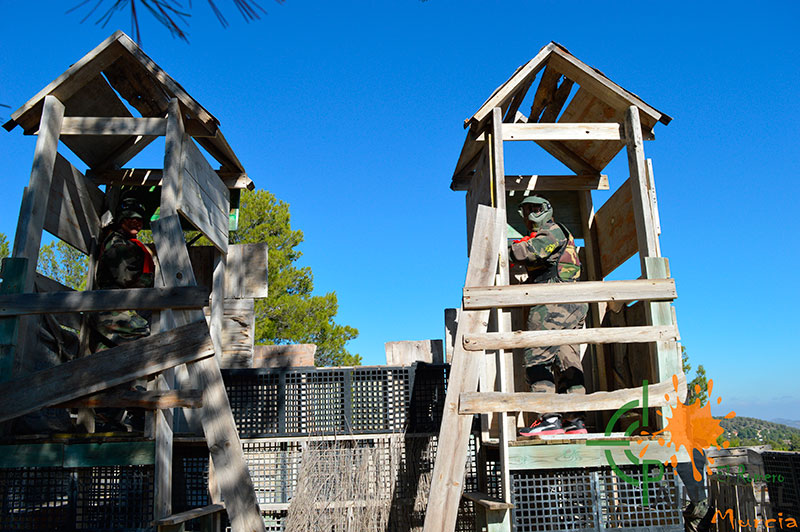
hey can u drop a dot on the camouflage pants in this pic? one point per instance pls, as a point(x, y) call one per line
point(122, 326)
point(550, 318)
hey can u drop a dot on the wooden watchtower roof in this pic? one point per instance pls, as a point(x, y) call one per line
point(92, 88)
point(597, 100)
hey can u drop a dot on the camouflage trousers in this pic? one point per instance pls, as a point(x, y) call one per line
point(540, 360)
point(121, 326)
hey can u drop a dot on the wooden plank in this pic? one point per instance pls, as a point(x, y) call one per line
point(31, 455)
point(173, 161)
point(479, 193)
point(124, 153)
point(579, 455)
point(406, 352)
point(666, 353)
point(109, 454)
point(284, 356)
point(616, 230)
point(651, 194)
point(217, 310)
point(238, 333)
point(83, 376)
point(582, 292)
point(544, 93)
point(645, 235)
point(104, 300)
point(599, 85)
point(450, 326)
point(74, 206)
point(151, 177)
point(584, 131)
point(188, 515)
point(559, 99)
point(467, 160)
point(556, 182)
point(149, 399)
point(448, 472)
point(203, 198)
point(610, 335)
point(220, 150)
point(102, 125)
point(69, 82)
point(569, 158)
point(487, 501)
point(246, 271)
point(222, 438)
point(503, 93)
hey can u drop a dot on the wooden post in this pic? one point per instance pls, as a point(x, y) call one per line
point(448, 473)
point(32, 213)
point(13, 275)
point(230, 469)
point(503, 361)
point(450, 325)
point(641, 200)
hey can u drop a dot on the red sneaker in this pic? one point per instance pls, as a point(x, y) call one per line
point(543, 426)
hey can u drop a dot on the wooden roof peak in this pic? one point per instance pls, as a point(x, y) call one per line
point(93, 87)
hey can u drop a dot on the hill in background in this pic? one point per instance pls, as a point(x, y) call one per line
point(745, 431)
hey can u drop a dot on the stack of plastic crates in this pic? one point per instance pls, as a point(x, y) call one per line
point(277, 410)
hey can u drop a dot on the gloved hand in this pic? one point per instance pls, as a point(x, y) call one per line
point(518, 250)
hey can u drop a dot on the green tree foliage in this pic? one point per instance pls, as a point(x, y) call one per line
point(748, 431)
point(291, 314)
point(60, 261)
point(4, 251)
point(700, 381)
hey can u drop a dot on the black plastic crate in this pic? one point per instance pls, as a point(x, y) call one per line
point(784, 495)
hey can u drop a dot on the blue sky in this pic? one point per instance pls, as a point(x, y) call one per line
point(352, 113)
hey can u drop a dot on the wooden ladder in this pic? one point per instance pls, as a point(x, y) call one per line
point(486, 290)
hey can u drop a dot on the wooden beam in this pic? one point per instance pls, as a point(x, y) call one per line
point(202, 197)
point(149, 399)
point(569, 158)
point(544, 93)
point(586, 131)
point(109, 454)
point(475, 403)
point(610, 335)
point(556, 182)
point(645, 230)
point(125, 153)
point(559, 99)
point(152, 177)
point(581, 292)
point(487, 501)
point(448, 471)
point(188, 515)
point(95, 125)
point(13, 273)
point(118, 365)
point(616, 230)
point(34, 200)
point(104, 300)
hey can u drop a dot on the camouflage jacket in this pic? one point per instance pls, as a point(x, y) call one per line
point(124, 263)
point(550, 257)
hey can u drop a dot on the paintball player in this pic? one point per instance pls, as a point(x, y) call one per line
point(124, 262)
point(549, 255)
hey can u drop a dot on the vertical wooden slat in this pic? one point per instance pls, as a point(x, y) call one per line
point(503, 359)
point(641, 201)
point(447, 481)
point(651, 190)
point(13, 275)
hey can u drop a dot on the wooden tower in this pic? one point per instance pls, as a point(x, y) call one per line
point(584, 132)
point(83, 109)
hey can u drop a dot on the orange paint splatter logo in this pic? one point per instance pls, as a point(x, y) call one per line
point(690, 426)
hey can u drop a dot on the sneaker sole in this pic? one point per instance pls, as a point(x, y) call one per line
point(578, 431)
point(543, 433)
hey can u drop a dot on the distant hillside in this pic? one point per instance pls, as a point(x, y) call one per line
point(743, 431)
point(791, 422)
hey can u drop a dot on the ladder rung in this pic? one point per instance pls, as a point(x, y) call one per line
point(607, 335)
point(484, 402)
point(525, 295)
